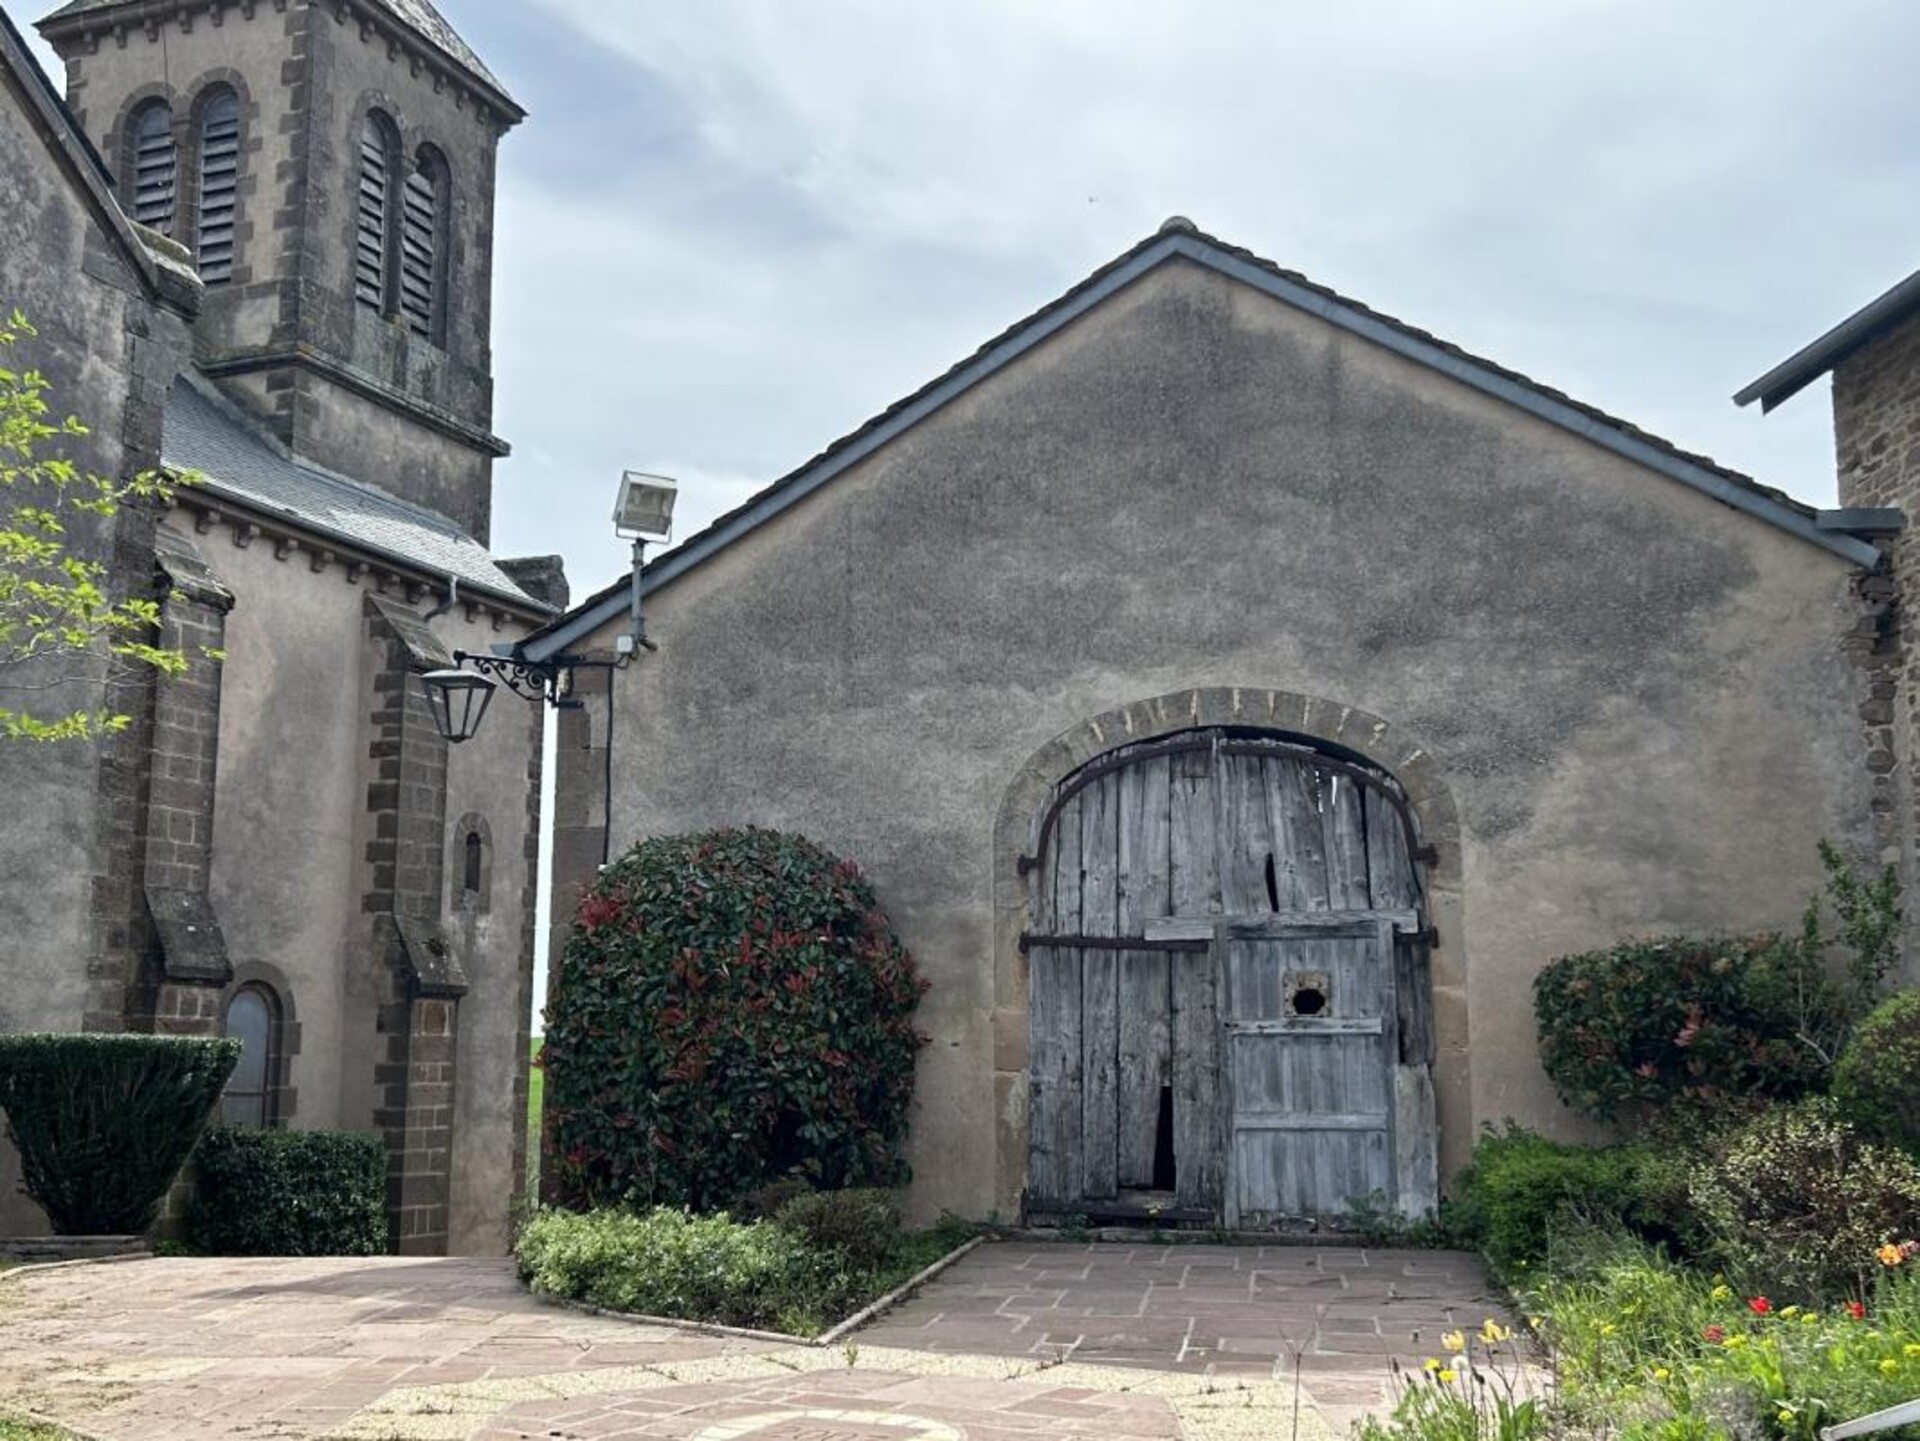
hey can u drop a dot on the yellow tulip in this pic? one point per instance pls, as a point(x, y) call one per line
point(1889, 1366)
point(1492, 1332)
point(1454, 1341)
point(1661, 1373)
point(1719, 1293)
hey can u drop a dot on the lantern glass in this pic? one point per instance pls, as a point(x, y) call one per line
point(645, 507)
point(458, 700)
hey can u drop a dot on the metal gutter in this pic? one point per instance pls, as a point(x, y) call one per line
point(1190, 247)
point(1796, 373)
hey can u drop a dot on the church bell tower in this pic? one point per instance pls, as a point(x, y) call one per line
point(330, 166)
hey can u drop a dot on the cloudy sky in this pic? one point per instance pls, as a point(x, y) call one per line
point(733, 230)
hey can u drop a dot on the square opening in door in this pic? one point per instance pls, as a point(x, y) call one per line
point(1309, 993)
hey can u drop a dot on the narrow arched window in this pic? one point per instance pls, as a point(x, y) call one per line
point(152, 164)
point(218, 184)
point(253, 1019)
point(373, 250)
point(475, 867)
point(423, 246)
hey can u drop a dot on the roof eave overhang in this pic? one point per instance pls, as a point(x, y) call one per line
point(204, 490)
point(1808, 364)
point(610, 604)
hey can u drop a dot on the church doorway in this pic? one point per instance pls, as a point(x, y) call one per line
point(1229, 1013)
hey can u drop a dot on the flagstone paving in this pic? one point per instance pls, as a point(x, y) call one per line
point(1019, 1342)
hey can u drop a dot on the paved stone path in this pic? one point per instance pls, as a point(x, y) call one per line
point(1343, 1316)
point(1019, 1342)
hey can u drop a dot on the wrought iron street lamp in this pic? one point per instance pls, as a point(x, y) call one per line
point(459, 697)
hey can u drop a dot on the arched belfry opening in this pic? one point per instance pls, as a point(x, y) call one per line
point(1230, 1011)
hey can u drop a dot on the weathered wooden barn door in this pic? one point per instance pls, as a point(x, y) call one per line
point(1138, 858)
point(1311, 1035)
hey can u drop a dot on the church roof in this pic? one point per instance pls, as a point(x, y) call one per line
point(418, 16)
point(1180, 239)
point(206, 434)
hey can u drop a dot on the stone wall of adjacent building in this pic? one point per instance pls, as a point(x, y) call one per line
point(1876, 423)
point(1626, 707)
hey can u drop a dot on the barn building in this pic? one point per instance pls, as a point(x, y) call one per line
point(1236, 695)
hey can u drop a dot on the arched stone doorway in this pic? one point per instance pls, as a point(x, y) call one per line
point(1230, 1013)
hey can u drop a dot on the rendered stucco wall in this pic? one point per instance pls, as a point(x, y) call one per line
point(1633, 698)
point(291, 840)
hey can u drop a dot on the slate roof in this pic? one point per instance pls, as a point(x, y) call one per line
point(1179, 237)
point(1809, 363)
point(205, 433)
point(419, 16)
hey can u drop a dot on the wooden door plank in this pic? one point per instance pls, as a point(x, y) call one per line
point(1389, 867)
point(1193, 874)
point(1299, 838)
point(1343, 817)
point(1416, 1137)
point(1053, 1116)
point(1146, 978)
point(1198, 1121)
point(1100, 994)
point(1244, 838)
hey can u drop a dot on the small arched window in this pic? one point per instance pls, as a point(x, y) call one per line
point(218, 183)
point(373, 248)
point(253, 1019)
point(423, 246)
point(152, 164)
point(476, 859)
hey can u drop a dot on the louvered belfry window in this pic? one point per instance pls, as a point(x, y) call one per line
point(153, 167)
point(420, 243)
point(219, 185)
point(370, 263)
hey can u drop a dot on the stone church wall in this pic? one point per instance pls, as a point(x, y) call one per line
point(110, 352)
point(1636, 698)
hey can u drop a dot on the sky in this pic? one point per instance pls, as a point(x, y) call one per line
point(730, 232)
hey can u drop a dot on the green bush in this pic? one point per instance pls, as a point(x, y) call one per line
point(1799, 1200)
point(289, 1193)
point(1628, 1032)
point(1520, 1185)
point(1877, 1081)
point(671, 1263)
point(103, 1124)
point(731, 1008)
point(859, 1227)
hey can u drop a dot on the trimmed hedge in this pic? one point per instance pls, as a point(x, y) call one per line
point(1629, 1032)
point(731, 1008)
point(1877, 1081)
point(103, 1124)
point(289, 1193)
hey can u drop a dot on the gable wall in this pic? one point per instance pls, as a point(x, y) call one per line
point(1635, 696)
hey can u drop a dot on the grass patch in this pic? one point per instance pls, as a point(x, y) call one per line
point(12, 1428)
point(536, 1088)
point(820, 1260)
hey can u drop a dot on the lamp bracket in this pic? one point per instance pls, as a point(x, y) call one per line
point(530, 680)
